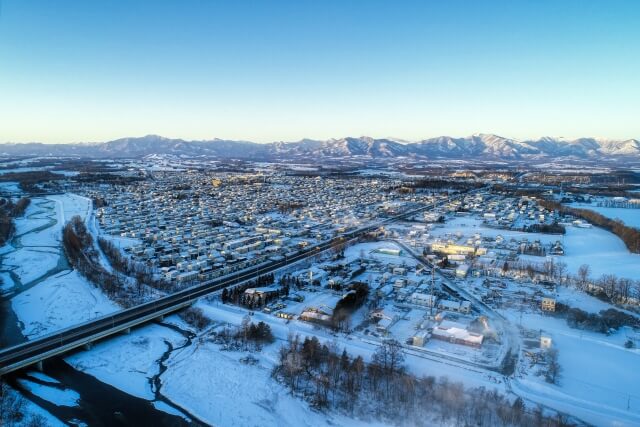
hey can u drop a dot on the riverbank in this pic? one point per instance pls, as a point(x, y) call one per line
point(42, 294)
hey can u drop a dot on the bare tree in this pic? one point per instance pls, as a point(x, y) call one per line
point(583, 276)
point(553, 366)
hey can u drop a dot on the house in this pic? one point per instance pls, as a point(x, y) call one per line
point(452, 249)
point(545, 342)
point(284, 315)
point(456, 333)
point(389, 251)
point(315, 317)
point(465, 307)
point(420, 338)
point(557, 249)
point(462, 270)
point(426, 300)
point(449, 305)
point(548, 304)
point(400, 271)
point(384, 324)
point(259, 295)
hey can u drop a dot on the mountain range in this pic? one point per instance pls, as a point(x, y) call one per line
point(474, 147)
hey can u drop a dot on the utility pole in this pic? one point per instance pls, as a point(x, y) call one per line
point(433, 283)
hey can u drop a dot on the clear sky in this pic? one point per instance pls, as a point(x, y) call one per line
point(275, 70)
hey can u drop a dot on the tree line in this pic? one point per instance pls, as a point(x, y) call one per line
point(603, 322)
point(383, 389)
point(629, 235)
point(142, 273)
point(83, 256)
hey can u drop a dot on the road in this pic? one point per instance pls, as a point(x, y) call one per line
point(37, 350)
point(510, 335)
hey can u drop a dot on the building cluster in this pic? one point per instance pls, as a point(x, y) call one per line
point(193, 225)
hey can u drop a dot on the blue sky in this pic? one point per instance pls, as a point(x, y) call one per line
point(274, 70)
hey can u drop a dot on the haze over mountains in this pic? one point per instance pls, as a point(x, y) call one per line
point(478, 146)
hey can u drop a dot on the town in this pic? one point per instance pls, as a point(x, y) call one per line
point(486, 279)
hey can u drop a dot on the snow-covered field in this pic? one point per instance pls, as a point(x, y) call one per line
point(128, 361)
point(31, 264)
point(598, 382)
point(215, 386)
point(417, 363)
point(60, 301)
point(596, 247)
point(601, 250)
point(630, 217)
point(62, 297)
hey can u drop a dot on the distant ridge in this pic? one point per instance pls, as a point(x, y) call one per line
point(477, 146)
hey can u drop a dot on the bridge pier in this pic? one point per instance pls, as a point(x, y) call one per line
point(127, 331)
point(160, 318)
point(88, 346)
point(40, 366)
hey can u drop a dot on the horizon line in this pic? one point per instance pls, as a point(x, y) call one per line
point(394, 139)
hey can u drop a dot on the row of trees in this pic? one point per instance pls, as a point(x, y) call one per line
point(141, 272)
point(629, 235)
point(384, 390)
point(603, 321)
point(449, 184)
point(31, 181)
point(553, 228)
point(83, 256)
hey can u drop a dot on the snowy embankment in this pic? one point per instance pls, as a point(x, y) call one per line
point(62, 297)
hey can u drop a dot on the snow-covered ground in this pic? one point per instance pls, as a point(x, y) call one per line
point(55, 395)
point(215, 386)
point(60, 301)
point(10, 187)
point(630, 217)
point(597, 383)
point(31, 410)
point(128, 361)
point(62, 297)
point(596, 247)
point(418, 363)
point(601, 250)
point(37, 248)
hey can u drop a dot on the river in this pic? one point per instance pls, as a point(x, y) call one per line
point(100, 404)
